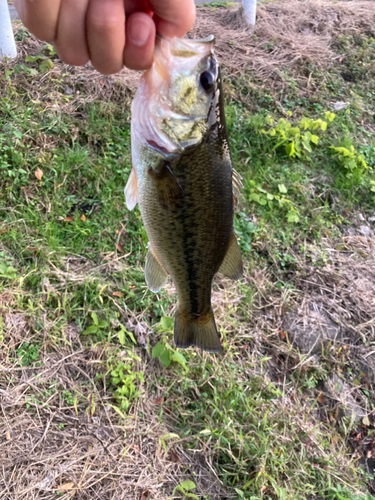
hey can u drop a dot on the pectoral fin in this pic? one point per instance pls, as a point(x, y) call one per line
point(231, 267)
point(155, 274)
point(131, 190)
point(169, 189)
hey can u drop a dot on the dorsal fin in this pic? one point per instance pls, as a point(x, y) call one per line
point(236, 185)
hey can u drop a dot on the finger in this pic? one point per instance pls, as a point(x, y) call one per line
point(39, 16)
point(70, 43)
point(140, 41)
point(173, 17)
point(106, 34)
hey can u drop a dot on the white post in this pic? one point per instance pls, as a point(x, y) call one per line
point(250, 11)
point(7, 43)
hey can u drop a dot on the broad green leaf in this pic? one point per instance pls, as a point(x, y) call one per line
point(307, 146)
point(283, 189)
point(46, 65)
point(188, 485)
point(254, 197)
point(329, 116)
point(323, 126)
point(121, 337)
point(165, 358)
point(90, 329)
point(290, 149)
point(157, 350)
point(166, 323)
point(130, 335)
point(178, 488)
point(314, 139)
point(292, 217)
point(306, 123)
point(103, 324)
point(33, 58)
point(191, 495)
point(179, 358)
point(95, 318)
point(262, 200)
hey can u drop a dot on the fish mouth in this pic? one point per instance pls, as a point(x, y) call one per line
point(180, 148)
point(185, 47)
point(161, 149)
point(207, 39)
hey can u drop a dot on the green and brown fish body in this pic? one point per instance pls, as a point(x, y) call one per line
point(182, 180)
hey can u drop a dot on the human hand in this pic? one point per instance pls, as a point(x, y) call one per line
point(110, 33)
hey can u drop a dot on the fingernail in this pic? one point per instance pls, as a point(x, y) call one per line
point(138, 33)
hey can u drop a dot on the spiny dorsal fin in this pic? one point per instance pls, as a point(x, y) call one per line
point(231, 267)
point(237, 185)
point(155, 274)
point(131, 190)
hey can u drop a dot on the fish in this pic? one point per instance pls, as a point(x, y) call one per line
point(185, 185)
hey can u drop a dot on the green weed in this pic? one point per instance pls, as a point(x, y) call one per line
point(124, 380)
point(166, 353)
point(28, 353)
point(185, 487)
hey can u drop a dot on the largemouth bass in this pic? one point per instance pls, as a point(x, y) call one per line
point(183, 180)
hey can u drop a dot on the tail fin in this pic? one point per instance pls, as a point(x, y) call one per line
point(200, 332)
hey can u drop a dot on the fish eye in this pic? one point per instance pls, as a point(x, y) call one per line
point(207, 80)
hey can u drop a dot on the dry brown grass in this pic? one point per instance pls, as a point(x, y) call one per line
point(92, 452)
point(294, 36)
point(290, 35)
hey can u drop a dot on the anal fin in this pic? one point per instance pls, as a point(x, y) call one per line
point(131, 190)
point(231, 267)
point(155, 274)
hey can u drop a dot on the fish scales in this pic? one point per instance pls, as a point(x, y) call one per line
point(182, 180)
point(192, 234)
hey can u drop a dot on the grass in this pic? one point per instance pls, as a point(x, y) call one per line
point(71, 282)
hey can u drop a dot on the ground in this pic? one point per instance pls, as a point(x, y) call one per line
point(95, 400)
